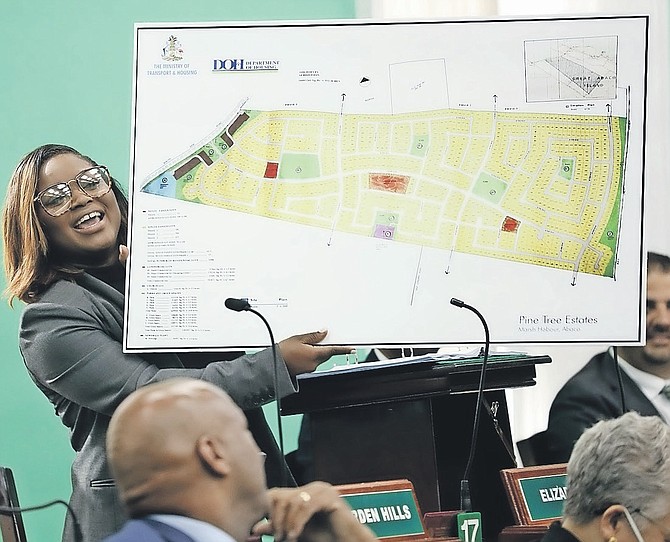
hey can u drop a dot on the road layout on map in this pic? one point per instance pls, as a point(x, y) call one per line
point(535, 188)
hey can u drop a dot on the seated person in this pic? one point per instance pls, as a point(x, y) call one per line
point(593, 394)
point(618, 483)
point(187, 469)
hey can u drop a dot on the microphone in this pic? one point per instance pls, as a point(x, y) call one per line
point(239, 305)
point(466, 501)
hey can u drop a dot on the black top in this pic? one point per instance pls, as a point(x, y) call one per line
point(557, 533)
point(113, 275)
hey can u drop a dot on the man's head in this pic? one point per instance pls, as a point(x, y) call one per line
point(618, 474)
point(654, 357)
point(182, 446)
point(657, 349)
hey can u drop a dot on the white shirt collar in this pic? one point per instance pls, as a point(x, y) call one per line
point(651, 385)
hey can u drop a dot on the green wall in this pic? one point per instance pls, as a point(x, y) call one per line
point(65, 77)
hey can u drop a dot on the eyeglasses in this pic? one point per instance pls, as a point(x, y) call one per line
point(57, 199)
point(636, 529)
point(633, 525)
point(664, 530)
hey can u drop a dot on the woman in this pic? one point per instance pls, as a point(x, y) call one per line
point(64, 225)
point(618, 483)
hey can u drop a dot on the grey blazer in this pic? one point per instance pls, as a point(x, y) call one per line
point(71, 343)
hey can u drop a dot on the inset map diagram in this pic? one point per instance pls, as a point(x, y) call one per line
point(571, 69)
point(539, 189)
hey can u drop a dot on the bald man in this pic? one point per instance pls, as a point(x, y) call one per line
point(188, 470)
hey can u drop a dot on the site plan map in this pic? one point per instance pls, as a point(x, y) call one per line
point(333, 183)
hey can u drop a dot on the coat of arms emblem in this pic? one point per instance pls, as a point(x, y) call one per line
point(172, 50)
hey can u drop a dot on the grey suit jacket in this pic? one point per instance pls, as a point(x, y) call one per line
point(71, 342)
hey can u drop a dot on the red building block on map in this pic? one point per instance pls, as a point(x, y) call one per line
point(510, 224)
point(271, 169)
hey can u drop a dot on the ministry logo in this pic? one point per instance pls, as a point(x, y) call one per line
point(172, 52)
point(171, 66)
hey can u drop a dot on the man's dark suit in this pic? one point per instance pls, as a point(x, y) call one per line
point(147, 530)
point(590, 395)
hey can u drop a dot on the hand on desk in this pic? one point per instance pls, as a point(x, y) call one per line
point(313, 513)
point(302, 354)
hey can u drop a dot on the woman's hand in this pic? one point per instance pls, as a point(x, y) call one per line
point(302, 354)
point(123, 254)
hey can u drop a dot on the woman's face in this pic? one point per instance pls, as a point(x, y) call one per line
point(86, 234)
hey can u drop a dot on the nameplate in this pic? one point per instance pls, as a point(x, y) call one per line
point(536, 494)
point(388, 508)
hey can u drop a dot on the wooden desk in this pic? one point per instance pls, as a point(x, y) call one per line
point(414, 421)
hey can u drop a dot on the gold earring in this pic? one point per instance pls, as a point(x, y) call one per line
point(612, 539)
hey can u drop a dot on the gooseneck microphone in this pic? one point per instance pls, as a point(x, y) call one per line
point(239, 305)
point(466, 501)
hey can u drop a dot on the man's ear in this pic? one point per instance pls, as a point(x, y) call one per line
point(611, 522)
point(212, 456)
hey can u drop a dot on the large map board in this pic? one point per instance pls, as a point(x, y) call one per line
point(358, 175)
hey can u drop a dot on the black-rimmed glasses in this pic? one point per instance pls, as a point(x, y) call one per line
point(57, 199)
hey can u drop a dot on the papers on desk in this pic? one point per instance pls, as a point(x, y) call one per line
point(448, 354)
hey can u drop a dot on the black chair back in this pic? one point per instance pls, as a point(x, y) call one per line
point(534, 450)
point(11, 523)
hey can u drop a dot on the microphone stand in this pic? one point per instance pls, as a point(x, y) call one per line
point(466, 501)
point(240, 305)
point(617, 368)
point(280, 431)
point(492, 409)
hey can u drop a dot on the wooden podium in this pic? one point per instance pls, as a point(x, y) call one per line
point(414, 420)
